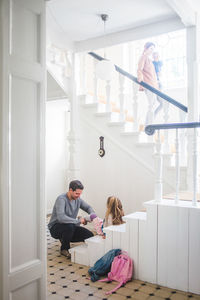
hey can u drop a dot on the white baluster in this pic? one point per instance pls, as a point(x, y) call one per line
point(166, 148)
point(83, 74)
point(151, 98)
point(95, 82)
point(177, 165)
point(183, 154)
point(121, 97)
point(135, 107)
point(195, 168)
point(108, 90)
point(158, 169)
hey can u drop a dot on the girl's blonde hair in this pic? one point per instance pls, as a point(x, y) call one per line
point(114, 208)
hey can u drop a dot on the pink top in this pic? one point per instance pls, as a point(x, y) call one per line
point(98, 222)
point(146, 72)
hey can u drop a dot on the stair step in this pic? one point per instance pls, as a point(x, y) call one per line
point(116, 228)
point(116, 123)
point(145, 144)
point(130, 133)
point(106, 114)
point(96, 248)
point(79, 255)
point(97, 239)
point(90, 105)
point(133, 135)
point(139, 215)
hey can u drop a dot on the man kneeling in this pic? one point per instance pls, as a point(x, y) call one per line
point(64, 224)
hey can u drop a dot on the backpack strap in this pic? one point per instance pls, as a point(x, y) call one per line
point(104, 280)
point(116, 288)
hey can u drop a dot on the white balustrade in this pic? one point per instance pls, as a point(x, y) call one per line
point(121, 97)
point(158, 168)
point(177, 165)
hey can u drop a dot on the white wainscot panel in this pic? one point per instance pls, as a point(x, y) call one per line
point(27, 292)
point(173, 246)
point(148, 244)
point(194, 250)
point(24, 168)
point(24, 37)
point(133, 229)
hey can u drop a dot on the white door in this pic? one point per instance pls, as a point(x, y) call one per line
point(22, 101)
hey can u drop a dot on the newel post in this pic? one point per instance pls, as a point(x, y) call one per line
point(193, 78)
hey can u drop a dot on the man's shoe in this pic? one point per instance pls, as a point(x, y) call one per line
point(65, 253)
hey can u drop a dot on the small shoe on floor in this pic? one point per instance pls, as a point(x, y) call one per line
point(65, 253)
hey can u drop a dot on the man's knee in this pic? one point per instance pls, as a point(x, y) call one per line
point(90, 233)
point(59, 229)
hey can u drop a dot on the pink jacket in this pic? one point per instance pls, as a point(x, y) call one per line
point(146, 72)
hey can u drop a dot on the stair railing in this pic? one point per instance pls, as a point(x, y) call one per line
point(167, 100)
point(145, 85)
point(150, 130)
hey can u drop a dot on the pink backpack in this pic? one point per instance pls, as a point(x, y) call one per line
point(121, 271)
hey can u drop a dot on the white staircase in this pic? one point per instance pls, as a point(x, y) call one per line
point(164, 243)
point(134, 144)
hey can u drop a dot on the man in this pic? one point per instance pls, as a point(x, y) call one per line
point(64, 224)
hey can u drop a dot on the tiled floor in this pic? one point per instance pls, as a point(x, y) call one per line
point(67, 280)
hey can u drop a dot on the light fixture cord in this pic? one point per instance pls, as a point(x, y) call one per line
point(104, 38)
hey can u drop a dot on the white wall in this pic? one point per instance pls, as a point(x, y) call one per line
point(57, 126)
point(114, 174)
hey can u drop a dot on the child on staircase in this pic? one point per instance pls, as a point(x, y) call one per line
point(114, 212)
point(113, 216)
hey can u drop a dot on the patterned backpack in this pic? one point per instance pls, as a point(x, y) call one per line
point(121, 271)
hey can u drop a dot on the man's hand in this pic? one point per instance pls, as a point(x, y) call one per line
point(83, 221)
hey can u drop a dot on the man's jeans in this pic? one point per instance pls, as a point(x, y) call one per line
point(67, 233)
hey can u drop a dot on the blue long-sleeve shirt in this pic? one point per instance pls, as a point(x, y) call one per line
point(66, 211)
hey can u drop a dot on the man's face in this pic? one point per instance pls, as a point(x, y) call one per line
point(75, 194)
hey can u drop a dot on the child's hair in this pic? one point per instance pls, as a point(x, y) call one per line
point(114, 208)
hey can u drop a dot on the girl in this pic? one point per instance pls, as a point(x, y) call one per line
point(114, 212)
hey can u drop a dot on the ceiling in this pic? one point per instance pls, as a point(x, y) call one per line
point(79, 20)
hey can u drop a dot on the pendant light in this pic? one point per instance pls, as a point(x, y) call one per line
point(105, 68)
